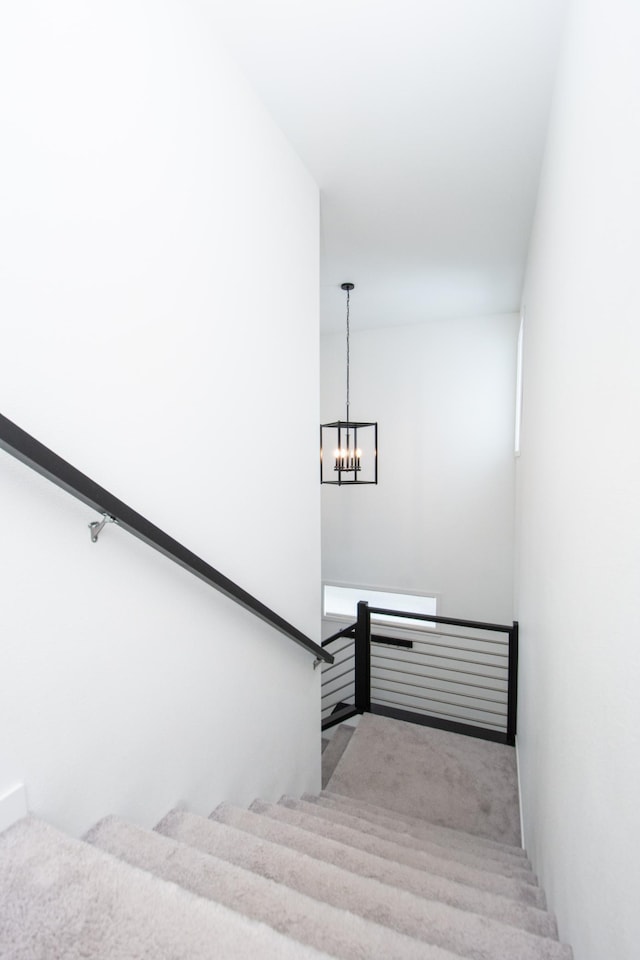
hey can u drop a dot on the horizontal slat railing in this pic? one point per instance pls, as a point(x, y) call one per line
point(461, 679)
point(44, 461)
point(446, 672)
point(338, 679)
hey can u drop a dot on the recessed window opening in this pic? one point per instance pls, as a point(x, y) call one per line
point(519, 385)
point(341, 603)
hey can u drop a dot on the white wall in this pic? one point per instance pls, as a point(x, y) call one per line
point(441, 517)
point(579, 477)
point(158, 283)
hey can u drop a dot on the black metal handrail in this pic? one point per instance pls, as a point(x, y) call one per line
point(44, 461)
point(349, 631)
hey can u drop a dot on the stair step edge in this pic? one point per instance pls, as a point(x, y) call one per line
point(471, 856)
point(507, 886)
point(309, 921)
point(421, 822)
point(452, 929)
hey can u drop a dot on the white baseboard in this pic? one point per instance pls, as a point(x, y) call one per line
point(522, 839)
point(13, 806)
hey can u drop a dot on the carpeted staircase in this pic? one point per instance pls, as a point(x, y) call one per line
point(327, 875)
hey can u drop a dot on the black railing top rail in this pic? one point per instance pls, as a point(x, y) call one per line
point(44, 461)
point(451, 621)
point(426, 636)
point(336, 653)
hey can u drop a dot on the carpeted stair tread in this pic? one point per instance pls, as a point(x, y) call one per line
point(452, 780)
point(419, 826)
point(519, 870)
point(465, 934)
point(528, 912)
point(313, 922)
point(334, 751)
point(62, 898)
point(517, 889)
point(529, 915)
point(358, 861)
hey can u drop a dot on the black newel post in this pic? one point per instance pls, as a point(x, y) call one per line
point(512, 701)
point(363, 658)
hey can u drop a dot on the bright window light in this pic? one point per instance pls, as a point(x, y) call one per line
point(342, 602)
point(519, 385)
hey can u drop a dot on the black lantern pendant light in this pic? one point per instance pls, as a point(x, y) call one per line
point(348, 448)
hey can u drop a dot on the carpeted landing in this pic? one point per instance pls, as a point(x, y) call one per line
point(454, 781)
point(325, 876)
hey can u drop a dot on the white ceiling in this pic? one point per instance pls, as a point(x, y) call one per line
point(423, 122)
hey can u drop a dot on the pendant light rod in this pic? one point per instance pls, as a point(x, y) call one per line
point(348, 287)
point(354, 444)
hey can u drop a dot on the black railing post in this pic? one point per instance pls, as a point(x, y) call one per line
point(512, 695)
point(363, 658)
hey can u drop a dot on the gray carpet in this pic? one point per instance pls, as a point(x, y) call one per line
point(463, 933)
point(412, 830)
point(303, 918)
point(332, 823)
point(324, 876)
point(417, 827)
point(275, 824)
point(450, 780)
point(61, 898)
